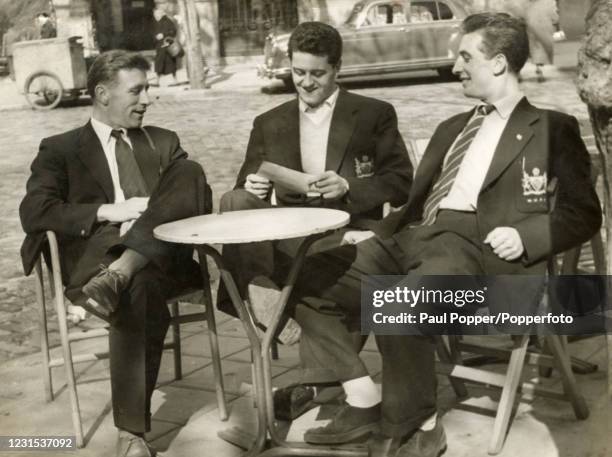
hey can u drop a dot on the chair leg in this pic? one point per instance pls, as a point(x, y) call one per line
point(176, 341)
point(213, 339)
point(58, 291)
point(506, 402)
point(564, 366)
point(216, 356)
point(599, 254)
point(274, 350)
point(68, 365)
point(44, 335)
point(608, 338)
point(446, 357)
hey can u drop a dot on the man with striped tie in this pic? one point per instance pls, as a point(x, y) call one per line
point(481, 204)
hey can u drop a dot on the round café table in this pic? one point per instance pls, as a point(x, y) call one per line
point(246, 227)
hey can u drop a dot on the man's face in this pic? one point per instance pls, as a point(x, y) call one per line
point(476, 71)
point(314, 77)
point(128, 99)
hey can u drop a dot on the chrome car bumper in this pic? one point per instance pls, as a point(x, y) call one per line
point(264, 71)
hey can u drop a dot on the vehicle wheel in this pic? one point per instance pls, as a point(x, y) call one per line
point(446, 74)
point(288, 82)
point(43, 90)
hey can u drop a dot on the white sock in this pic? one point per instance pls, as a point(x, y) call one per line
point(430, 423)
point(361, 392)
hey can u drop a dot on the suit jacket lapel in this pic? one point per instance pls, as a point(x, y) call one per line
point(341, 129)
point(148, 158)
point(93, 157)
point(288, 137)
point(514, 138)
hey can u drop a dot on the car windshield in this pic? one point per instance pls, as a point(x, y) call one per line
point(352, 19)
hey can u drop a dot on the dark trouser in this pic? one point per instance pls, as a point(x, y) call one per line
point(330, 285)
point(140, 324)
point(246, 261)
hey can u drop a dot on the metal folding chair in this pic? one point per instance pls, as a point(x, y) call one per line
point(67, 337)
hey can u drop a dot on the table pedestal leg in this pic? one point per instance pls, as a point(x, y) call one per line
point(262, 372)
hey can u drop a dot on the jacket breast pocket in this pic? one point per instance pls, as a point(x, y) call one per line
point(363, 163)
point(535, 187)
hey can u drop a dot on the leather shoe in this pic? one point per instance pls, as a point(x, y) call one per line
point(349, 423)
point(130, 445)
point(431, 443)
point(103, 292)
point(292, 401)
point(381, 445)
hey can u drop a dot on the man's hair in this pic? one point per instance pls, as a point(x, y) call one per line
point(318, 39)
point(107, 65)
point(501, 34)
point(43, 14)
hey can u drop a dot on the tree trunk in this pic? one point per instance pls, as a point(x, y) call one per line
point(595, 87)
point(193, 49)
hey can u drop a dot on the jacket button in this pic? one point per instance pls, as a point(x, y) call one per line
point(83, 232)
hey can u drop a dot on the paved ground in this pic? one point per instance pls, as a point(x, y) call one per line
point(214, 126)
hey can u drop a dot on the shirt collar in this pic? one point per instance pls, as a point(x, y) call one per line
point(506, 105)
point(104, 130)
point(329, 102)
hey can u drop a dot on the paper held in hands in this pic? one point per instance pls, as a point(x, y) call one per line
point(295, 181)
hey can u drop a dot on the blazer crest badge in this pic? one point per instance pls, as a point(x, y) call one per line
point(534, 184)
point(364, 168)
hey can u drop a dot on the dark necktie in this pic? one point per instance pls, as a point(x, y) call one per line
point(130, 177)
point(452, 164)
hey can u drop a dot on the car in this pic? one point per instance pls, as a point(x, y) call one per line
point(381, 37)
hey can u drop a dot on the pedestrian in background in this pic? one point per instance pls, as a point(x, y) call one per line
point(165, 33)
point(541, 17)
point(47, 29)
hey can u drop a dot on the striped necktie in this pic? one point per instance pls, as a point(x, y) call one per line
point(130, 177)
point(452, 164)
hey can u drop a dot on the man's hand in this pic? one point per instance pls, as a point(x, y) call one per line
point(257, 185)
point(331, 185)
point(124, 211)
point(356, 236)
point(506, 243)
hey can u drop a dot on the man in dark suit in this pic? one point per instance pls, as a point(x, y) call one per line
point(481, 204)
point(103, 188)
point(348, 143)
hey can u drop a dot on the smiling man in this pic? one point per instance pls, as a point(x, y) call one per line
point(103, 188)
point(499, 190)
point(348, 143)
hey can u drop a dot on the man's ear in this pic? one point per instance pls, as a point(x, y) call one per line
point(102, 94)
point(500, 64)
point(338, 65)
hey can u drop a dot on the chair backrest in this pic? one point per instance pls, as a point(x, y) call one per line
point(416, 149)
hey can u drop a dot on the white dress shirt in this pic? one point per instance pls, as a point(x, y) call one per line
point(103, 131)
point(314, 133)
point(463, 195)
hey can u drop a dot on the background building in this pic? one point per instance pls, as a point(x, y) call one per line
point(231, 29)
